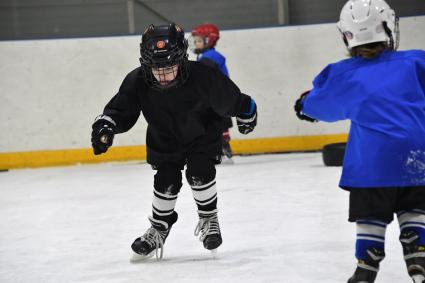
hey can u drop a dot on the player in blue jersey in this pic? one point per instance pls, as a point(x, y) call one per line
point(204, 40)
point(382, 92)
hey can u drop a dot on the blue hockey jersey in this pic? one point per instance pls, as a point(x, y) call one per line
point(217, 58)
point(385, 100)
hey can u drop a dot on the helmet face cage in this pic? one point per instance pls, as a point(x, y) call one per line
point(180, 74)
point(162, 48)
point(163, 74)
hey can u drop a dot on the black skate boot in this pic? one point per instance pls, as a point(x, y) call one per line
point(367, 270)
point(208, 231)
point(414, 255)
point(153, 240)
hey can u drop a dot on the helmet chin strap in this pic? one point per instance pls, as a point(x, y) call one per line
point(390, 35)
point(396, 33)
point(344, 38)
point(345, 41)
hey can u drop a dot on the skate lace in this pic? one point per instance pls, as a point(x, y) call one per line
point(155, 239)
point(207, 226)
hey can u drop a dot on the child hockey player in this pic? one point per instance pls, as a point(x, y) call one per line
point(183, 103)
point(203, 41)
point(382, 92)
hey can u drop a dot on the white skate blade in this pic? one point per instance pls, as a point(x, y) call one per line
point(214, 253)
point(418, 278)
point(227, 161)
point(138, 257)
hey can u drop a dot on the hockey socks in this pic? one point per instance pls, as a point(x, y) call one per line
point(205, 194)
point(370, 234)
point(370, 245)
point(167, 184)
point(412, 238)
point(163, 205)
point(200, 175)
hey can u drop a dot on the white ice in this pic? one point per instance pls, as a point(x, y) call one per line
point(283, 219)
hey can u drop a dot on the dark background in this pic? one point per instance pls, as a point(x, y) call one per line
point(27, 19)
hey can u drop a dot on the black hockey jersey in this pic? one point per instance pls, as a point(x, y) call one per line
point(180, 120)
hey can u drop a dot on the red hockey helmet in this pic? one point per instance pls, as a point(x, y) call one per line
point(210, 32)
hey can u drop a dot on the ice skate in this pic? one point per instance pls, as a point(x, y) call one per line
point(209, 233)
point(367, 270)
point(414, 255)
point(152, 242)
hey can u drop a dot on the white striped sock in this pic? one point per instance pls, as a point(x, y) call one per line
point(411, 218)
point(163, 204)
point(371, 230)
point(205, 194)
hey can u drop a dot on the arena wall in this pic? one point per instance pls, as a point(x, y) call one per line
point(51, 90)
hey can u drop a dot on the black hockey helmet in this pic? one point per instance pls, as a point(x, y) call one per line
point(164, 46)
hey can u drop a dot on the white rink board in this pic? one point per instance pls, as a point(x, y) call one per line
point(51, 90)
point(282, 217)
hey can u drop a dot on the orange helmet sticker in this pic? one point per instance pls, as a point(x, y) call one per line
point(160, 44)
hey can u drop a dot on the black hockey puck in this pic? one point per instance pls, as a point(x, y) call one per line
point(4, 170)
point(333, 154)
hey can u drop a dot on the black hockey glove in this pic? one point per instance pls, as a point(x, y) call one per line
point(298, 107)
point(247, 121)
point(102, 135)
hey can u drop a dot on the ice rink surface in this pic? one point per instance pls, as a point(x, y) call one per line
point(283, 219)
